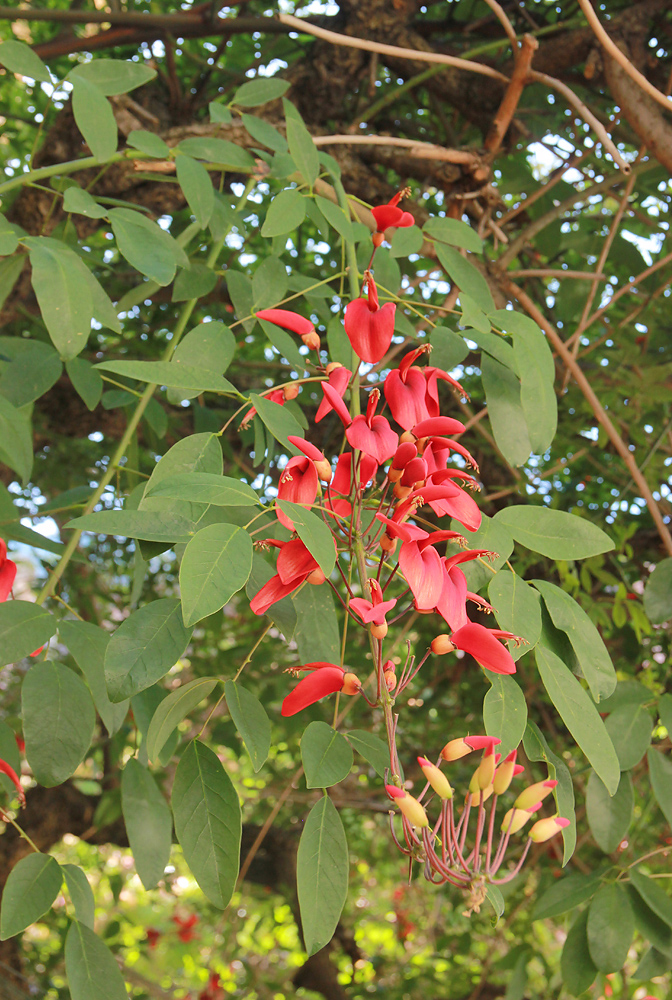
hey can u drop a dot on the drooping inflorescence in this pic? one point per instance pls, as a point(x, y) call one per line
point(396, 460)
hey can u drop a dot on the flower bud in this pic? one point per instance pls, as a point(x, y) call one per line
point(504, 773)
point(332, 366)
point(401, 492)
point(544, 829)
point(316, 577)
point(441, 645)
point(291, 391)
point(390, 680)
point(377, 239)
point(515, 820)
point(312, 340)
point(410, 807)
point(436, 778)
point(461, 746)
point(379, 631)
point(474, 797)
point(351, 684)
point(534, 793)
point(388, 544)
point(407, 436)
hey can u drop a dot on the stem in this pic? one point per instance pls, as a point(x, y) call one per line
point(143, 402)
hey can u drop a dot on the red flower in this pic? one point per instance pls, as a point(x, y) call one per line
point(152, 936)
point(484, 647)
point(298, 484)
point(324, 679)
point(334, 390)
point(7, 572)
point(405, 391)
point(390, 215)
point(423, 570)
point(375, 609)
point(368, 327)
point(185, 926)
point(7, 769)
point(320, 461)
point(295, 565)
point(289, 320)
point(373, 435)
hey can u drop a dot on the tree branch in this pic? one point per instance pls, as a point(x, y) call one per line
point(519, 77)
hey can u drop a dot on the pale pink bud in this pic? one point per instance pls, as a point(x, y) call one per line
point(436, 778)
point(515, 820)
point(504, 773)
point(544, 829)
point(534, 793)
point(410, 807)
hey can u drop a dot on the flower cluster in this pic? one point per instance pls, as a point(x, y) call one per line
point(401, 469)
point(445, 850)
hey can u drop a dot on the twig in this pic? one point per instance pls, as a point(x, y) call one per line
point(425, 150)
point(298, 24)
point(623, 291)
point(555, 272)
point(521, 69)
point(600, 414)
point(620, 57)
point(504, 21)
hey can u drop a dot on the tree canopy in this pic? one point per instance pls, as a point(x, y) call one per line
point(336, 432)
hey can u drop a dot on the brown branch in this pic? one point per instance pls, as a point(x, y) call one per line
point(554, 272)
point(424, 150)
point(519, 77)
point(642, 114)
point(591, 398)
point(613, 50)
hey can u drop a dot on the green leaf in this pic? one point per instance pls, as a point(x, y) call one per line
point(32, 886)
point(113, 76)
point(90, 968)
point(658, 593)
point(88, 645)
point(665, 712)
point(19, 58)
point(284, 344)
point(144, 648)
point(80, 202)
point(407, 241)
point(630, 728)
point(626, 693)
point(10, 270)
point(594, 660)
point(653, 964)
point(94, 118)
point(219, 114)
point(144, 705)
point(579, 714)
point(32, 371)
point(208, 822)
point(576, 965)
point(210, 346)
point(170, 373)
point(269, 283)
point(314, 534)
point(609, 939)
point(454, 232)
point(279, 421)
point(260, 91)
point(218, 151)
point(517, 610)
point(9, 235)
point(194, 454)
point(652, 894)
point(204, 487)
point(150, 526)
point(193, 283)
point(23, 627)
point(58, 721)
point(448, 347)
point(337, 218)
point(173, 709)
point(566, 894)
point(146, 246)
point(239, 287)
point(537, 748)
point(321, 874)
point(554, 533)
point(505, 712)
point(491, 536)
point(374, 750)
point(250, 719)
point(649, 925)
point(301, 146)
point(216, 564)
point(148, 821)
point(81, 893)
point(536, 369)
point(660, 773)
point(9, 752)
point(316, 633)
point(493, 894)
point(609, 817)
point(285, 213)
point(466, 276)
point(197, 187)
point(507, 418)
point(326, 755)
point(86, 381)
point(265, 133)
point(63, 294)
point(148, 142)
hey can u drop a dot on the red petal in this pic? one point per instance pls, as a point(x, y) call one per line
point(378, 441)
point(310, 689)
point(424, 574)
point(295, 563)
point(386, 216)
point(407, 398)
point(298, 484)
point(271, 592)
point(5, 768)
point(443, 426)
point(288, 320)
point(370, 333)
point(482, 645)
point(7, 576)
point(335, 403)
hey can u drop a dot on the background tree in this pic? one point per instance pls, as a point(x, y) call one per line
point(543, 127)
